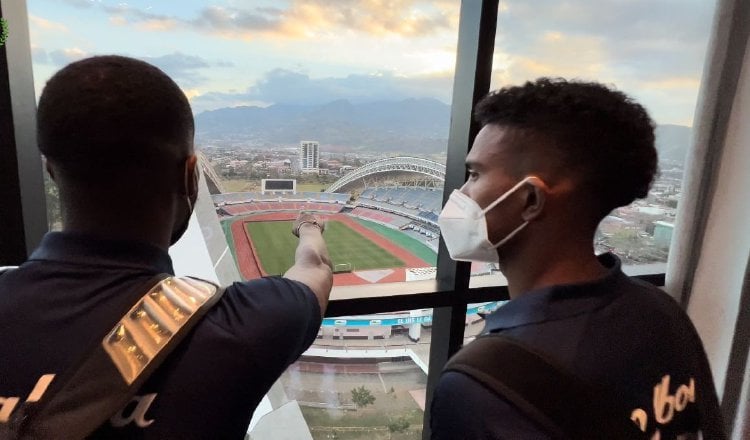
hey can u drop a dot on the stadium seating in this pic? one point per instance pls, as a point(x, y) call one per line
point(412, 198)
point(422, 204)
point(394, 220)
point(246, 197)
point(233, 206)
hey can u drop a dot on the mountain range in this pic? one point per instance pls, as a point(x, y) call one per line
point(409, 126)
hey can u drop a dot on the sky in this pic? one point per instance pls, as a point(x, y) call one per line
point(227, 53)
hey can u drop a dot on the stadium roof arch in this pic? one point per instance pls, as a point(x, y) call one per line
point(427, 167)
point(213, 181)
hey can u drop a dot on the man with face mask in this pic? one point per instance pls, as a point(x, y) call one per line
point(552, 159)
point(117, 135)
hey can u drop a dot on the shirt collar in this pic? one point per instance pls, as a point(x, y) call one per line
point(76, 248)
point(561, 301)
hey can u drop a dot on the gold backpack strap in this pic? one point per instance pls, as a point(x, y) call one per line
point(154, 321)
point(111, 373)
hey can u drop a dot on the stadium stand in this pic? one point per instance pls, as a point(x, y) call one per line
point(389, 219)
point(246, 207)
point(421, 204)
point(306, 196)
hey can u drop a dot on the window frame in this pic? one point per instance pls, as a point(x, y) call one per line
point(475, 48)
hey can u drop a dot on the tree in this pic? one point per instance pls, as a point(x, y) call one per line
point(362, 397)
point(399, 424)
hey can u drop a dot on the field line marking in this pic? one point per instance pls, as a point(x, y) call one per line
point(223, 254)
point(382, 382)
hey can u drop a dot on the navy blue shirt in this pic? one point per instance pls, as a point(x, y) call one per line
point(624, 335)
point(68, 294)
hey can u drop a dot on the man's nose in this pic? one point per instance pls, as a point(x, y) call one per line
point(465, 188)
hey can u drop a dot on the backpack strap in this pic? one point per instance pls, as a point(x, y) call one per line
point(712, 420)
point(113, 371)
point(564, 405)
point(5, 269)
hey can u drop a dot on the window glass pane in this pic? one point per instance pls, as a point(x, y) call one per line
point(341, 109)
point(475, 314)
point(363, 378)
point(652, 51)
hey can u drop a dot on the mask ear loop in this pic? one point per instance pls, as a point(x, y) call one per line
point(508, 193)
point(505, 196)
point(187, 189)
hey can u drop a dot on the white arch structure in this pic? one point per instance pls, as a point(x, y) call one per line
point(208, 171)
point(399, 163)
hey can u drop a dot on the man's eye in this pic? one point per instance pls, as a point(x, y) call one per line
point(473, 174)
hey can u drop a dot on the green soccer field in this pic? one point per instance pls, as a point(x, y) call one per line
point(275, 246)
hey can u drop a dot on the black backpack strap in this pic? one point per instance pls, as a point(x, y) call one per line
point(712, 420)
point(112, 372)
point(561, 403)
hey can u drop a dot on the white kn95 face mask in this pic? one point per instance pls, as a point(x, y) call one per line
point(463, 226)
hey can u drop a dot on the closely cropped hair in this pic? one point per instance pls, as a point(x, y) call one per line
point(601, 134)
point(108, 116)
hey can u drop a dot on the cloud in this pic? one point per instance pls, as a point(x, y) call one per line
point(643, 39)
point(289, 87)
point(124, 14)
point(673, 83)
point(230, 21)
point(412, 18)
point(184, 69)
point(281, 86)
point(374, 17)
point(177, 61)
point(48, 25)
point(62, 57)
point(651, 50)
point(39, 55)
point(554, 54)
point(83, 3)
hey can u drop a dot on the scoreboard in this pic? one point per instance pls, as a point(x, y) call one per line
point(278, 186)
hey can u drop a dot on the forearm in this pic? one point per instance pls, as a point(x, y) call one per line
point(312, 265)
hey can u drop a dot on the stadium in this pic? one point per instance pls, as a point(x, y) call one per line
point(381, 222)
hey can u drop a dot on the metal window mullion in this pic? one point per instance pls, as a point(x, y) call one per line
point(426, 300)
point(17, 51)
point(12, 235)
point(476, 43)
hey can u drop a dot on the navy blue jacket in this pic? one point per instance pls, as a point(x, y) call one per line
point(619, 333)
point(63, 299)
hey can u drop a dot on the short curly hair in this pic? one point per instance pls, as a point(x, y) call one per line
point(599, 133)
point(112, 115)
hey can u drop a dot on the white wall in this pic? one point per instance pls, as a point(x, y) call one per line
point(190, 254)
point(715, 298)
point(203, 251)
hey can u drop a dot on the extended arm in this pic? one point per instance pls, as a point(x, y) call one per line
point(312, 265)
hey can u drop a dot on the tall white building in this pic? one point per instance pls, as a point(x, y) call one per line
point(309, 156)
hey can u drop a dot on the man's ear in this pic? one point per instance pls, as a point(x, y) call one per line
point(191, 176)
point(535, 191)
